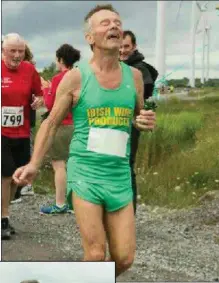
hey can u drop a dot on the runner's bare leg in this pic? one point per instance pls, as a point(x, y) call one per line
point(89, 218)
point(6, 194)
point(120, 226)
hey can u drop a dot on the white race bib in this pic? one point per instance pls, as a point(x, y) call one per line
point(108, 141)
point(12, 116)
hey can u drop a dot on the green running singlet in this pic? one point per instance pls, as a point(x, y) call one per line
point(98, 167)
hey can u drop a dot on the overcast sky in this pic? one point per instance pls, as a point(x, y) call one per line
point(57, 272)
point(48, 24)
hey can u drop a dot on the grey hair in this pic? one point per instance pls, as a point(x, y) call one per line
point(87, 26)
point(12, 37)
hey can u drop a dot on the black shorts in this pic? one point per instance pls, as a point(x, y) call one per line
point(15, 153)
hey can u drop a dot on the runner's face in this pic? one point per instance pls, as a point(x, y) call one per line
point(106, 30)
point(14, 54)
point(127, 48)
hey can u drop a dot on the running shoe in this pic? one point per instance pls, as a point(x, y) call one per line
point(27, 191)
point(54, 209)
point(5, 229)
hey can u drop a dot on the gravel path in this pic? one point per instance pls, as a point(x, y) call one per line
point(171, 245)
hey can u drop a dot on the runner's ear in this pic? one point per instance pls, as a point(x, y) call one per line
point(89, 38)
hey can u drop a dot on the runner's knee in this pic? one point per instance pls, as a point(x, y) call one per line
point(95, 253)
point(124, 262)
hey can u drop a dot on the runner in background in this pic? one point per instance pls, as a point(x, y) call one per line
point(27, 190)
point(66, 57)
point(19, 81)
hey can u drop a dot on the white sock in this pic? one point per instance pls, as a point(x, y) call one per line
point(60, 205)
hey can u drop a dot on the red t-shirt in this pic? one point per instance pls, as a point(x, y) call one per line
point(18, 86)
point(50, 94)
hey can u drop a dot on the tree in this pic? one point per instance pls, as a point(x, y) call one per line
point(49, 72)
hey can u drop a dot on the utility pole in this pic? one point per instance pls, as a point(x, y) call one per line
point(203, 56)
point(208, 28)
point(160, 61)
point(193, 32)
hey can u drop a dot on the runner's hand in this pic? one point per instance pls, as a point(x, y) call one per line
point(146, 120)
point(25, 175)
point(37, 103)
point(49, 83)
point(45, 84)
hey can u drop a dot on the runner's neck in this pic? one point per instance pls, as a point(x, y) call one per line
point(105, 61)
point(63, 69)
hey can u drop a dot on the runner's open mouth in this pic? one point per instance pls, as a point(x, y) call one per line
point(113, 36)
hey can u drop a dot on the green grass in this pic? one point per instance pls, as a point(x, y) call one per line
point(44, 183)
point(179, 161)
point(174, 132)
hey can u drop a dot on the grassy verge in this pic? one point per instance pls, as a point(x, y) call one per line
point(180, 161)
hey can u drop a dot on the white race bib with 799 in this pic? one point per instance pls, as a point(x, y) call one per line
point(12, 116)
point(108, 141)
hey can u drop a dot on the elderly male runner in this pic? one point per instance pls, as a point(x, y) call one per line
point(20, 81)
point(106, 97)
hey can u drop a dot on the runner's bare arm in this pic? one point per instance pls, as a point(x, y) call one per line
point(139, 86)
point(63, 102)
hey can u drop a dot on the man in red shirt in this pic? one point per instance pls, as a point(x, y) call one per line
point(19, 81)
point(66, 56)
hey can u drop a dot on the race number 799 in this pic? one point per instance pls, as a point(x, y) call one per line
point(12, 116)
point(12, 120)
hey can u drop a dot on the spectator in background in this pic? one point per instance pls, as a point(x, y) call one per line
point(66, 56)
point(130, 55)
